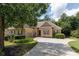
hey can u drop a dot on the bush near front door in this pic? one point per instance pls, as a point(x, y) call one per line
point(59, 35)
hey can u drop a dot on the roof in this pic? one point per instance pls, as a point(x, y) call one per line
point(39, 24)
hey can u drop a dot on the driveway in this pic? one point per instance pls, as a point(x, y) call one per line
point(51, 47)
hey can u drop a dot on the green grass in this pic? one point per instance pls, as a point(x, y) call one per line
point(75, 45)
point(7, 43)
point(19, 47)
point(74, 38)
point(19, 41)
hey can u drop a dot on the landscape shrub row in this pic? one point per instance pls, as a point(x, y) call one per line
point(14, 37)
point(59, 35)
point(24, 40)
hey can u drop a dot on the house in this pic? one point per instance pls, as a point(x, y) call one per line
point(47, 29)
point(42, 29)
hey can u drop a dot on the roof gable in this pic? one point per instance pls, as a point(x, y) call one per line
point(45, 24)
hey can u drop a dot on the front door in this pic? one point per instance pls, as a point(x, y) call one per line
point(39, 32)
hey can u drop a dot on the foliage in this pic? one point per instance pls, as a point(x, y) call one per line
point(1, 52)
point(74, 23)
point(46, 18)
point(68, 23)
point(18, 50)
point(19, 47)
point(6, 38)
point(75, 33)
point(59, 35)
point(19, 37)
point(24, 40)
point(66, 31)
point(19, 14)
point(17, 42)
point(9, 38)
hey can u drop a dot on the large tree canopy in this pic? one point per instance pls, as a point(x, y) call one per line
point(18, 14)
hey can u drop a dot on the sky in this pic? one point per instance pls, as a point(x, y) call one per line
point(55, 10)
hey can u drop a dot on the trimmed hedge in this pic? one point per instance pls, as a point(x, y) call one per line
point(24, 40)
point(15, 37)
point(19, 37)
point(59, 35)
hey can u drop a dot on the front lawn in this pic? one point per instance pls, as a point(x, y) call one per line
point(7, 43)
point(74, 38)
point(19, 47)
point(75, 44)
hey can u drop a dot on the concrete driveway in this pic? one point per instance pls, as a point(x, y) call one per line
point(51, 47)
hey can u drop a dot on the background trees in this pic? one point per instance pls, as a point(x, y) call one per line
point(68, 23)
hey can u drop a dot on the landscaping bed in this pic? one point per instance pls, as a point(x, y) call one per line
point(19, 47)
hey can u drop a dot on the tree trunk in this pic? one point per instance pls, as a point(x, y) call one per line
point(22, 29)
point(1, 32)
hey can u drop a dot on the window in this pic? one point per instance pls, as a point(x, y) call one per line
point(46, 31)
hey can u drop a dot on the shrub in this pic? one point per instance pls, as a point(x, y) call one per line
point(6, 38)
point(75, 33)
point(19, 37)
point(59, 35)
point(9, 38)
point(1, 52)
point(24, 40)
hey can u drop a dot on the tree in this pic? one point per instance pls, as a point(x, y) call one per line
point(18, 15)
point(64, 22)
point(47, 18)
point(68, 23)
point(1, 32)
point(29, 14)
point(4, 12)
point(77, 15)
point(75, 33)
point(63, 17)
point(74, 23)
point(67, 31)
